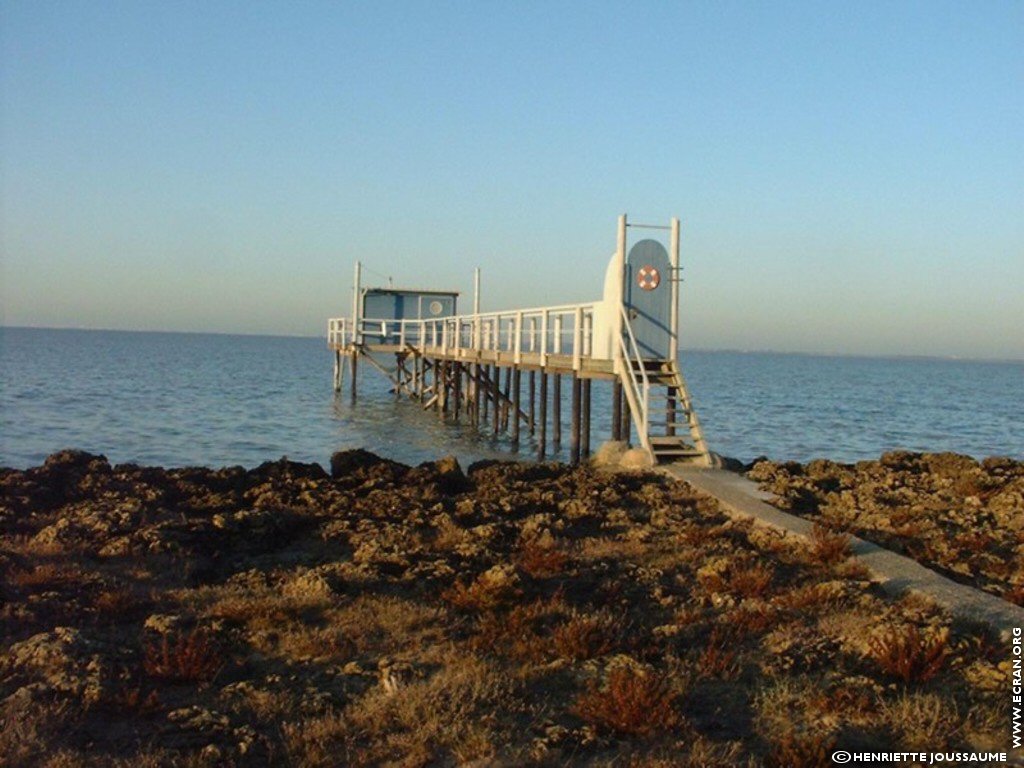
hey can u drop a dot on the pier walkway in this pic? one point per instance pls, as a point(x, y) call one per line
point(472, 366)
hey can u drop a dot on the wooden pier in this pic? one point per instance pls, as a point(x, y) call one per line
point(471, 367)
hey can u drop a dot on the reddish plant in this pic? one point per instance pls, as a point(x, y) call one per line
point(632, 702)
point(752, 580)
point(909, 654)
point(827, 546)
point(587, 636)
point(541, 559)
point(192, 657)
point(718, 659)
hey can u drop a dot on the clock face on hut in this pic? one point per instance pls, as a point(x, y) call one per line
point(435, 307)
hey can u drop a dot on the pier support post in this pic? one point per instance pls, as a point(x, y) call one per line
point(495, 396)
point(533, 394)
point(442, 387)
point(505, 403)
point(616, 410)
point(543, 435)
point(574, 433)
point(515, 404)
point(354, 367)
point(670, 414)
point(476, 394)
point(457, 391)
point(585, 422)
point(556, 413)
point(337, 370)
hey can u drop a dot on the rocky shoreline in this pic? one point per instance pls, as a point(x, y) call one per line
point(961, 517)
point(511, 614)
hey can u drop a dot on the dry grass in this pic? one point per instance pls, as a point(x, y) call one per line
point(632, 702)
point(587, 636)
point(827, 546)
point(46, 575)
point(519, 633)
point(801, 751)
point(908, 654)
point(542, 559)
point(481, 594)
point(186, 658)
point(718, 657)
point(450, 714)
point(405, 625)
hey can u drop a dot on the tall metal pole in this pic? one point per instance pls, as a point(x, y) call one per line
point(476, 291)
point(355, 304)
point(673, 256)
point(620, 274)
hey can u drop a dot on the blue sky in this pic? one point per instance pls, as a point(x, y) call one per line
point(850, 176)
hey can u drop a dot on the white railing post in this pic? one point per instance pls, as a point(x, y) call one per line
point(577, 339)
point(544, 338)
point(557, 347)
point(673, 255)
point(517, 347)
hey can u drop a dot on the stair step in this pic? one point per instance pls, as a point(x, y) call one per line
point(677, 452)
point(669, 440)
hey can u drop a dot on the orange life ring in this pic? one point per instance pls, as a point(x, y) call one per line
point(648, 278)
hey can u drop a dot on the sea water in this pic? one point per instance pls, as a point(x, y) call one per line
point(185, 399)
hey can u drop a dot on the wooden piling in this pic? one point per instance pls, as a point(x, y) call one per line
point(574, 428)
point(533, 394)
point(515, 405)
point(585, 421)
point(457, 393)
point(505, 400)
point(337, 371)
point(495, 392)
point(543, 434)
point(556, 413)
point(353, 367)
point(442, 388)
point(670, 413)
point(616, 410)
point(476, 394)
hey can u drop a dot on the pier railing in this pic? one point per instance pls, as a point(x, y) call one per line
point(559, 330)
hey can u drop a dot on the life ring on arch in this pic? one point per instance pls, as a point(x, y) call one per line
point(648, 277)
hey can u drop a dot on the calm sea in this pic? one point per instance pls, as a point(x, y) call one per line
point(183, 399)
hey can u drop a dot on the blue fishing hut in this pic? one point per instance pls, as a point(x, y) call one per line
point(379, 305)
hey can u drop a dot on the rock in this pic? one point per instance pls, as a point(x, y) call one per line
point(609, 454)
point(445, 473)
point(636, 458)
point(163, 623)
point(344, 463)
point(62, 661)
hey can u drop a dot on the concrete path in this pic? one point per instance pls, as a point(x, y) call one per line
point(741, 499)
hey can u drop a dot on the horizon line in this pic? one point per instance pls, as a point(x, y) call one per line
point(731, 350)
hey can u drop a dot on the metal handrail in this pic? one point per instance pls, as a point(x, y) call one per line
point(486, 331)
point(645, 401)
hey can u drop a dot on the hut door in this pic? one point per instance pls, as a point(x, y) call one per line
point(648, 298)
